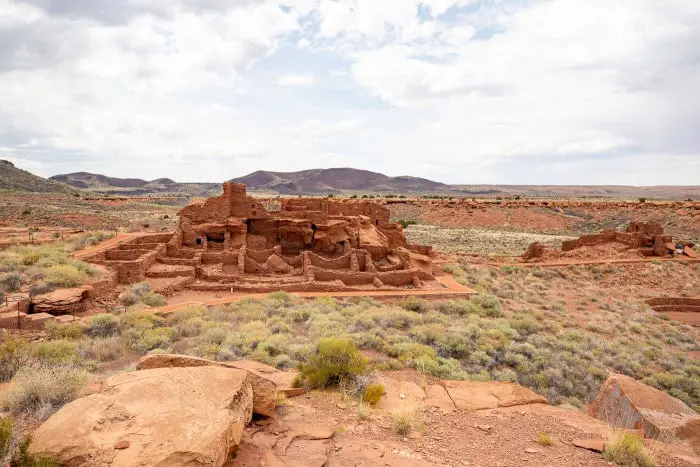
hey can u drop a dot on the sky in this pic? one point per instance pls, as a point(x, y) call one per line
point(459, 91)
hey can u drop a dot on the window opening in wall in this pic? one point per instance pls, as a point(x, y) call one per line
point(198, 241)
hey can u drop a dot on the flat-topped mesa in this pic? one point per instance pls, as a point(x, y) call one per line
point(341, 243)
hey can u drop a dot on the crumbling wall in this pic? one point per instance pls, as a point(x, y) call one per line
point(260, 255)
point(342, 262)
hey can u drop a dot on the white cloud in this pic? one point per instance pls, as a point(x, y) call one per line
point(296, 80)
point(459, 90)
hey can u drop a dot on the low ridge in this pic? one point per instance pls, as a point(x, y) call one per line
point(344, 179)
point(15, 179)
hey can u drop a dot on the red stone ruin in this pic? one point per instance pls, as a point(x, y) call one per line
point(232, 243)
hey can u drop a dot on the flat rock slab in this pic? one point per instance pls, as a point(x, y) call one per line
point(167, 416)
point(627, 403)
point(264, 388)
point(401, 396)
point(478, 395)
point(597, 445)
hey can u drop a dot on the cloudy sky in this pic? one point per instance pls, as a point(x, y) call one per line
point(461, 91)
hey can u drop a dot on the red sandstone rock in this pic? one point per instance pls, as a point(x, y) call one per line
point(627, 403)
point(264, 389)
point(169, 416)
point(596, 445)
point(64, 300)
point(476, 395)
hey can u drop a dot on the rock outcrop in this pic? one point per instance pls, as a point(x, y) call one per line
point(477, 395)
point(627, 403)
point(160, 417)
point(72, 300)
point(448, 396)
point(264, 388)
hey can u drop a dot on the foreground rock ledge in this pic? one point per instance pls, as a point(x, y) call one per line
point(166, 417)
point(264, 389)
point(627, 403)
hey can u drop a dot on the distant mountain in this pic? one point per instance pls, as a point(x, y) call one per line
point(135, 186)
point(86, 180)
point(12, 178)
point(321, 181)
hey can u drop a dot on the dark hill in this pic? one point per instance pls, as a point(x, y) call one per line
point(319, 181)
point(12, 178)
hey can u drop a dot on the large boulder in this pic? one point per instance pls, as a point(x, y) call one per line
point(162, 417)
point(264, 388)
point(627, 403)
point(72, 300)
point(478, 395)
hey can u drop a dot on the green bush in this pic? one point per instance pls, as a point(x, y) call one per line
point(100, 349)
point(412, 303)
point(55, 352)
point(103, 325)
point(407, 351)
point(159, 338)
point(154, 299)
point(14, 354)
point(486, 305)
point(334, 360)
point(57, 331)
point(43, 388)
point(65, 275)
point(129, 298)
point(628, 450)
point(39, 288)
point(5, 438)
point(373, 393)
point(10, 282)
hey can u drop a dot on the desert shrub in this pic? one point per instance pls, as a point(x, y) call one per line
point(373, 393)
point(141, 289)
point(5, 437)
point(486, 305)
point(154, 299)
point(185, 314)
point(64, 275)
point(158, 338)
point(544, 439)
point(128, 298)
point(407, 351)
point(334, 360)
point(281, 296)
point(454, 307)
point(139, 320)
point(60, 352)
point(10, 282)
point(57, 331)
point(443, 368)
point(103, 325)
point(402, 422)
point(39, 288)
point(628, 450)
point(412, 303)
point(14, 354)
point(105, 349)
point(44, 388)
point(215, 335)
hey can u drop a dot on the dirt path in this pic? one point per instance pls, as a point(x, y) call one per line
point(452, 289)
point(119, 238)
